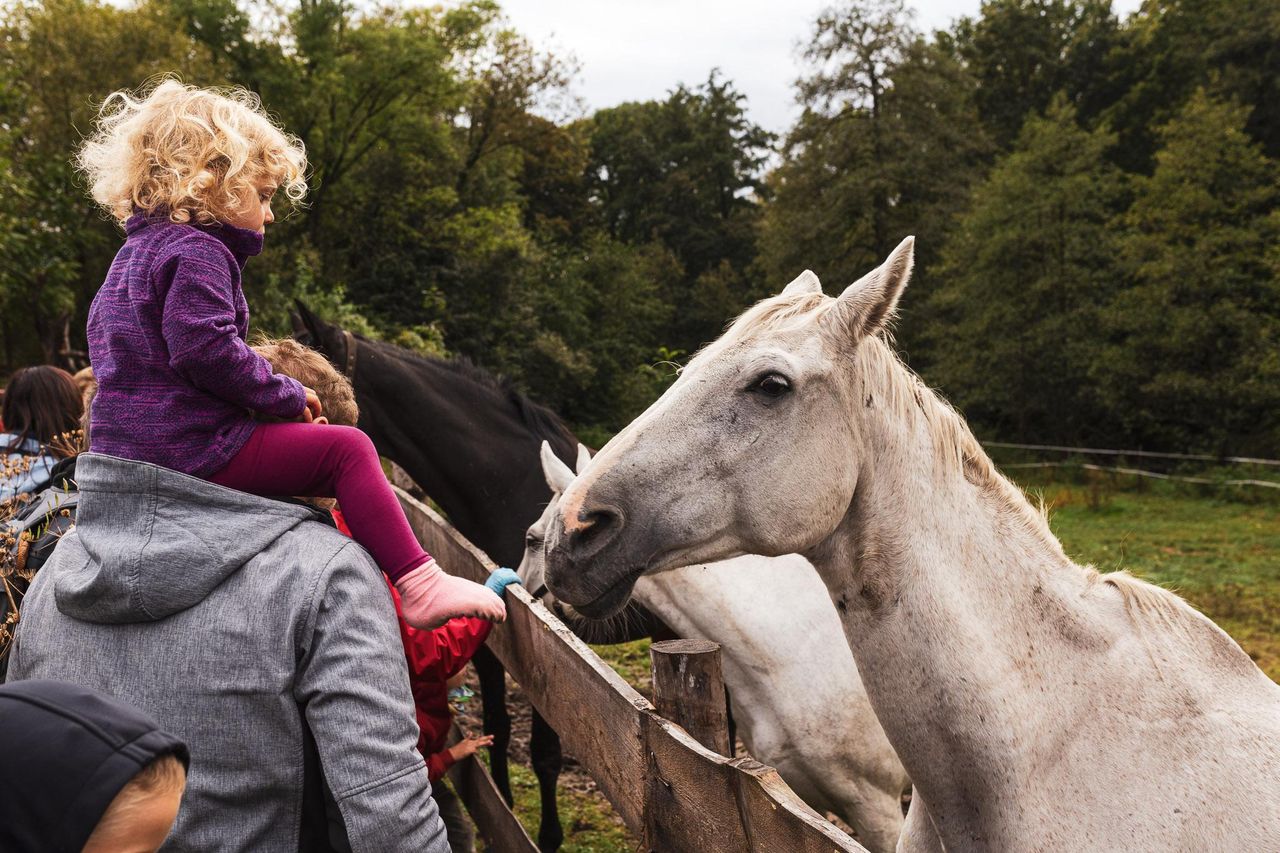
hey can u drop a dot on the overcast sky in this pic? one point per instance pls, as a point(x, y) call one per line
point(636, 50)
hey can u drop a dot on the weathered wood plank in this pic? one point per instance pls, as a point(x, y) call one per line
point(689, 802)
point(772, 813)
point(500, 828)
point(667, 788)
point(401, 479)
point(706, 801)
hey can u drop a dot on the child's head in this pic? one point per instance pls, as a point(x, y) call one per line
point(141, 815)
point(200, 155)
point(313, 370)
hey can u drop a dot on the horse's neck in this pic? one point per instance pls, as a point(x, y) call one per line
point(1011, 680)
point(960, 609)
point(417, 428)
point(455, 440)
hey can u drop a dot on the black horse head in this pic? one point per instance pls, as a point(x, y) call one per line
point(333, 342)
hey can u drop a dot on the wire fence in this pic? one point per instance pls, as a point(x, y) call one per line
point(1097, 451)
point(1140, 472)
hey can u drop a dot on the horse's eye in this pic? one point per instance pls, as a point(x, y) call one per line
point(772, 385)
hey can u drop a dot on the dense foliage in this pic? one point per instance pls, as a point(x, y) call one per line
point(1095, 200)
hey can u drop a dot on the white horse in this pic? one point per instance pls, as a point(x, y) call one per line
point(1036, 704)
point(793, 685)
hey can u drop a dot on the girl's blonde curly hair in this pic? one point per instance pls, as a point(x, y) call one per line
point(200, 154)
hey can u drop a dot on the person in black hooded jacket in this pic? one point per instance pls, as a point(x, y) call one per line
point(82, 772)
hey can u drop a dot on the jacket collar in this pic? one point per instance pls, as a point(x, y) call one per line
point(242, 242)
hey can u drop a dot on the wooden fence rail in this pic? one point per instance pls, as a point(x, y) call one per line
point(670, 790)
point(498, 826)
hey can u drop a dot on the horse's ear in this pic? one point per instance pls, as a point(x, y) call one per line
point(304, 322)
point(298, 324)
point(806, 282)
point(867, 305)
point(559, 476)
point(584, 458)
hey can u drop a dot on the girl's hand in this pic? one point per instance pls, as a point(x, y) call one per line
point(468, 746)
point(313, 409)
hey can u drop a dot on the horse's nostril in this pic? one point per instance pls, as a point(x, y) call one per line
point(593, 518)
point(595, 527)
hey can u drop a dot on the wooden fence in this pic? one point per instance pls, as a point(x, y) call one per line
point(671, 791)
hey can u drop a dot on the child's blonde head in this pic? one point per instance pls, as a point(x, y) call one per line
point(199, 154)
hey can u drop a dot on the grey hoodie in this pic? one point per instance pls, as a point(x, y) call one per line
point(246, 627)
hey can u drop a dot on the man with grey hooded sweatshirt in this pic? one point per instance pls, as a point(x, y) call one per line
point(255, 632)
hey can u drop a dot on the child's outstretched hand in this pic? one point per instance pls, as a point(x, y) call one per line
point(313, 409)
point(500, 579)
point(468, 746)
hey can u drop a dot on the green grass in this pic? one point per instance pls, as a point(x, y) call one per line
point(631, 661)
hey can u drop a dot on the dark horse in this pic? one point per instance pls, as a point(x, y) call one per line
point(471, 442)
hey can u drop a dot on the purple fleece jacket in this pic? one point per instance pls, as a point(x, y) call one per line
point(176, 380)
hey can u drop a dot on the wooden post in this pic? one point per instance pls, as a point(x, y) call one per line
point(688, 689)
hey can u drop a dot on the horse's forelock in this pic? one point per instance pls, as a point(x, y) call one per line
point(778, 314)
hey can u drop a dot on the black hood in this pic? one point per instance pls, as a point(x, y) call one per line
point(65, 752)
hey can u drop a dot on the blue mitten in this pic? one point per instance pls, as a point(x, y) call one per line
point(500, 579)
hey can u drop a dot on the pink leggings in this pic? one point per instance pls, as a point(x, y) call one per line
point(329, 461)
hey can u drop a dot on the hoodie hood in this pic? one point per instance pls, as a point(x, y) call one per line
point(67, 751)
point(150, 542)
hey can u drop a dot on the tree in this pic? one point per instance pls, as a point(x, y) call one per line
point(1194, 355)
point(591, 325)
point(1169, 48)
point(60, 58)
point(685, 172)
point(1024, 52)
point(1023, 282)
point(851, 53)
point(888, 145)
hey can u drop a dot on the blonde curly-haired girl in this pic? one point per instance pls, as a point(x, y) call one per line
point(191, 174)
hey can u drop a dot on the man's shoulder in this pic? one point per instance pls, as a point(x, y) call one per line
point(319, 556)
point(321, 548)
point(314, 537)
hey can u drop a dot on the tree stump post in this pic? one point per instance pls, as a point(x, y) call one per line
point(688, 689)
